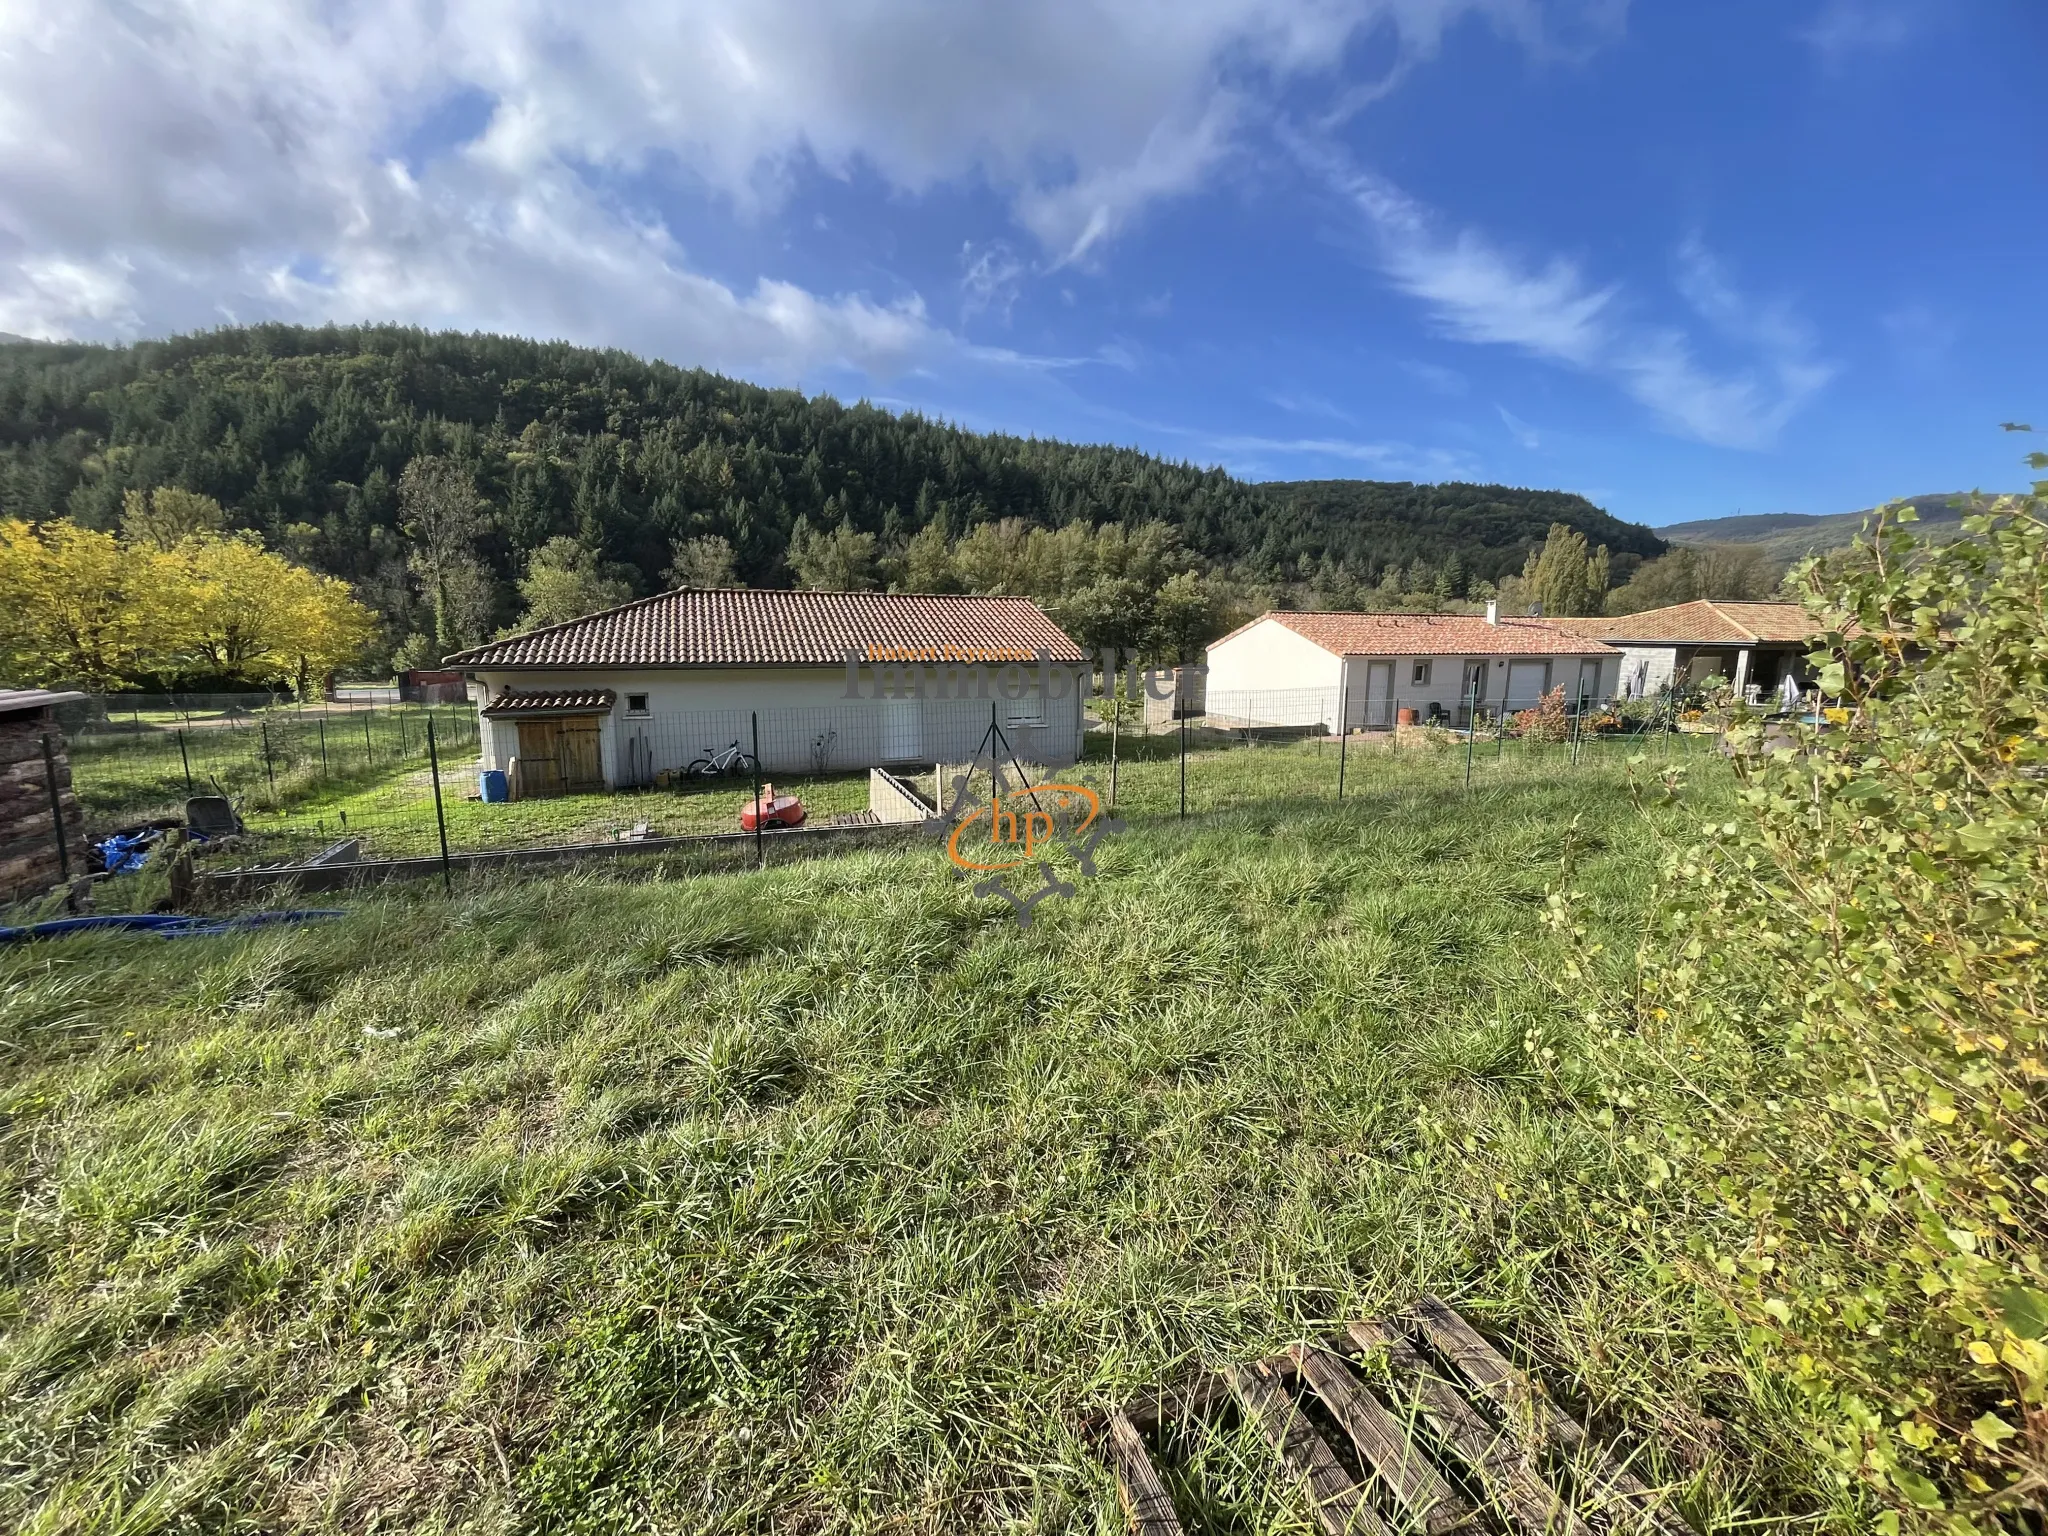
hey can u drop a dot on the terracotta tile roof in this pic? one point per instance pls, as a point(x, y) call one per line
point(512, 703)
point(1703, 622)
point(1434, 634)
point(753, 628)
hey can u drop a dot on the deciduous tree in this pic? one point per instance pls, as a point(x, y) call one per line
point(565, 581)
point(159, 519)
point(76, 606)
point(440, 514)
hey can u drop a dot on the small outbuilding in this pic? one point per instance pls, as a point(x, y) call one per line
point(1752, 646)
point(1365, 669)
point(635, 693)
point(42, 831)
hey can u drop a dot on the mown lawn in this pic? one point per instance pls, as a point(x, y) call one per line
point(823, 1198)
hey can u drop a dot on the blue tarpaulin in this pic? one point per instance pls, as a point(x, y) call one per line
point(123, 853)
point(165, 925)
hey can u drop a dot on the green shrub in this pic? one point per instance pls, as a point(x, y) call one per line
point(1849, 981)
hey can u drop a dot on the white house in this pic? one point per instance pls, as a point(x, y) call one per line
point(619, 697)
point(1365, 668)
point(1753, 646)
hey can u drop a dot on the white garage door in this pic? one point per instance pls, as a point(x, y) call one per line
point(1528, 681)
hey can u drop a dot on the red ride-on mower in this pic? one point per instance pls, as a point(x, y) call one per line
point(771, 810)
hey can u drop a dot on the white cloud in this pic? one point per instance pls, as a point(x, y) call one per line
point(1312, 405)
point(1922, 337)
point(1478, 292)
point(1519, 429)
point(1394, 459)
point(163, 162)
point(1444, 381)
point(992, 278)
point(1842, 29)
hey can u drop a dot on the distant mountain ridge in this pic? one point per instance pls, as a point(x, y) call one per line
point(1792, 536)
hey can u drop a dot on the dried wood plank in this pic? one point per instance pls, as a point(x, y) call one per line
point(1383, 1442)
point(1338, 1502)
point(1196, 1398)
point(1146, 1500)
point(1504, 1467)
point(1525, 1404)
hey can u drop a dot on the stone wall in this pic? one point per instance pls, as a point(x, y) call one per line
point(28, 852)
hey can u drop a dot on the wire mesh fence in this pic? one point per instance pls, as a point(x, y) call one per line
point(353, 781)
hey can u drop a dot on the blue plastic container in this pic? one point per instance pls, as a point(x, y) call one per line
point(491, 782)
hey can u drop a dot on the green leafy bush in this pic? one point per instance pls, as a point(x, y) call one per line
point(1849, 983)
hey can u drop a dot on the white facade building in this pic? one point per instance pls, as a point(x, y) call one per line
point(621, 697)
point(1306, 669)
point(1752, 646)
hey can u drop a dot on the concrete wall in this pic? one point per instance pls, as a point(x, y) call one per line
point(28, 848)
point(806, 722)
point(894, 801)
point(1649, 667)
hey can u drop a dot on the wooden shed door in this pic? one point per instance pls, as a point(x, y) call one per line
point(560, 757)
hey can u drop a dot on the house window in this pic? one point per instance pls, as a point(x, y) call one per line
point(1027, 711)
point(1420, 676)
point(636, 703)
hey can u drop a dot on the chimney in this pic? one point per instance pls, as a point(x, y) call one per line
point(1492, 611)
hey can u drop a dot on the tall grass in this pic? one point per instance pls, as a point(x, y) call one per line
point(824, 1198)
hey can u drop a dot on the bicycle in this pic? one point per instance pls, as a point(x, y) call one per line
point(716, 765)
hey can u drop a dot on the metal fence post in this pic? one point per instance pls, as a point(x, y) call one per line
point(368, 756)
point(1183, 756)
point(1116, 710)
point(1500, 729)
point(760, 847)
point(56, 810)
point(323, 747)
point(1343, 733)
point(440, 816)
point(1471, 732)
point(269, 772)
point(185, 761)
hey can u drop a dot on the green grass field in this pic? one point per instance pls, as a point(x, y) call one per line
point(823, 1198)
point(267, 762)
point(372, 783)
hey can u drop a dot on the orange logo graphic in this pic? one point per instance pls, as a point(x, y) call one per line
point(1027, 829)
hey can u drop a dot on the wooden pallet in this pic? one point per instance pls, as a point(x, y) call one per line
point(1448, 1435)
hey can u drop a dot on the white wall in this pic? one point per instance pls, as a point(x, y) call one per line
point(1445, 684)
point(1266, 674)
point(802, 712)
point(1269, 673)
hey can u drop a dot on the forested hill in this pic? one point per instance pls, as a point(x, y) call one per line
point(302, 435)
point(1490, 527)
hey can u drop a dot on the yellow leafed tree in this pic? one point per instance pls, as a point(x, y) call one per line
point(239, 610)
point(75, 607)
point(84, 607)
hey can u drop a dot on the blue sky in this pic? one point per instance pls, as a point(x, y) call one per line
point(1686, 258)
